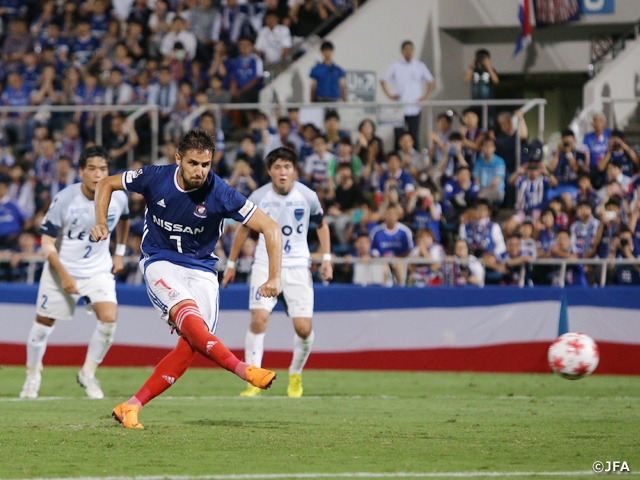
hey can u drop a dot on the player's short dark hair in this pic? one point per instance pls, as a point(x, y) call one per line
point(198, 140)
point(281, 153)
point(93, 151)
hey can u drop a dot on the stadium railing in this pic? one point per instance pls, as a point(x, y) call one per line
point(33, 262)
point(133, 112)
point(382, 113)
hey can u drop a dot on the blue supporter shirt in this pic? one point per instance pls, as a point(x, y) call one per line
point(246, 69)
point(485, 171)
point(83, 50)
point(564, 173)
point(597, 146)
point(183, 227)
point(622, 159)
point(327, 79)
point(16, 98)
point(531, 194)
point(547, 239)
point(402, 179)
point(389, 243)
point(10, 219)
point(30, 76)
point(99, 25)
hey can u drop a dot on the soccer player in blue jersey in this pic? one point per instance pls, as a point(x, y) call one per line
point(187, 205)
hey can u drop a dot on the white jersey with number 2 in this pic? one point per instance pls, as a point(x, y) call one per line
point(292, 212)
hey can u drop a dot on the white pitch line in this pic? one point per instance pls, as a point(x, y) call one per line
point(273, 476)
point(215, 397)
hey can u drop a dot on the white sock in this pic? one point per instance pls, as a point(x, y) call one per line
point(36, 346)
point(301, 352)
point(254, 348)
point(99, 345)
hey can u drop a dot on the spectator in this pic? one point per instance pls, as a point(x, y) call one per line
point(453, 158)
point(333, 131)
point(256, 163)
point(306, 17)
point(246, 73)
point(64, 176)
point(395, 178)
point(118, 92)
point(439, 140)
point(159, 25)
point(559, 209)
point(614, 178)
point(30, 71)
point(121, 138)
point(373, 165)
point(427, 248)
point(346, 157)
point(99, 19)
point(427, 213)
point(221, 65)
point(231, 23)
point(45, 165)
point(409, 75)
point(21, 192)
point(483, 236)
point(467, 269)
point(411, 159)
point(625, 248)
point(532, 182)
point(178, 33)
point(19, 264)
point(282, 137)
point(84, 48)
point(165, 95)
point(245, 260)
point(472, 136)
point(122, 61)
point(69, 19)
point(135, 41)
point(316, 168)
point(459, 194)
point(609, 229)
point(16, 44)
point(584, 229)
point(88, 93)
point(309, 134)
point(207, 123)
point(273, 41)
point(621, 154)
point(575, 274)
point(366, 272)
point(216, 93)
point(392, 239)
point(586, 192)
point(347, 198)
point(529, 245)
point(241, 179)
point(489, 173)
point(566, 164)
point(47, 17)
point(515, 263)
point(51, 38)
point(141, 14)
point(366, 133)
point(597, 143)
point(328, 82)
point(506, 142)
point(106, 51)
point(184, 104)
point(547, 229)
point(17, 126)
point(71, 146)
point(481, 76)
point(201, 18)
point(11, 218)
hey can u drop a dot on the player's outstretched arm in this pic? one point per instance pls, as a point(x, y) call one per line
point(238, 241)
point(105, 188)
point(324, 235)
point(260, 222)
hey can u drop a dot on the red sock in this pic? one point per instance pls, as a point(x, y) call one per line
point(166, 373)
point(189, 321)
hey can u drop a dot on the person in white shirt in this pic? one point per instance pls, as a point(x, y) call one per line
point(409, 76)
point(179, 33)
point(293, 206)
point(274, 40)
point(78, 267)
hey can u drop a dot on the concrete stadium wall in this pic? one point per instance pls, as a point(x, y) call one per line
point(497, 329)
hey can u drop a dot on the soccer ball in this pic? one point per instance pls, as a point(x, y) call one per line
point(573, 355)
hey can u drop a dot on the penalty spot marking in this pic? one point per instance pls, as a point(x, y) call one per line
point(275, 476)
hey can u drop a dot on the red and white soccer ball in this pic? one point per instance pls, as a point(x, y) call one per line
point(573, 355)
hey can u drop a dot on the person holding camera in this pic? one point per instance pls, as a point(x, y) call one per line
point(481, 75)
point(620, 154)
point(623, 247)
point(566, 164)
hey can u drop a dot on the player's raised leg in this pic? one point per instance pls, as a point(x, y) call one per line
point(254, 345)
point(36, 347)
point(302, 344)
point(99, 345)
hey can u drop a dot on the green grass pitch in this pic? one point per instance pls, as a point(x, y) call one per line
point(347, 422)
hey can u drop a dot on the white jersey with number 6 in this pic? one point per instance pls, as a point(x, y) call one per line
point(293, 213)
point(70, 218)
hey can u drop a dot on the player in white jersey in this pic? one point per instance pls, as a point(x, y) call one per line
point(78, 267)
point(292, 206)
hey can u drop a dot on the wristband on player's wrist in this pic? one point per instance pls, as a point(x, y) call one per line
point(231, 264)
point(326, 257)
point(121, 249)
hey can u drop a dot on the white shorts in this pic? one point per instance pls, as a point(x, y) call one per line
point(297, 291)
point(169, 284)
point(53, 302)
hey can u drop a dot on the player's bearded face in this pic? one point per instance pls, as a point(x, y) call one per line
point(194, 168)
point(282, 175)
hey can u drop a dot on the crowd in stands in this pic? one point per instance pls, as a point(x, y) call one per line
point(465, 208)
